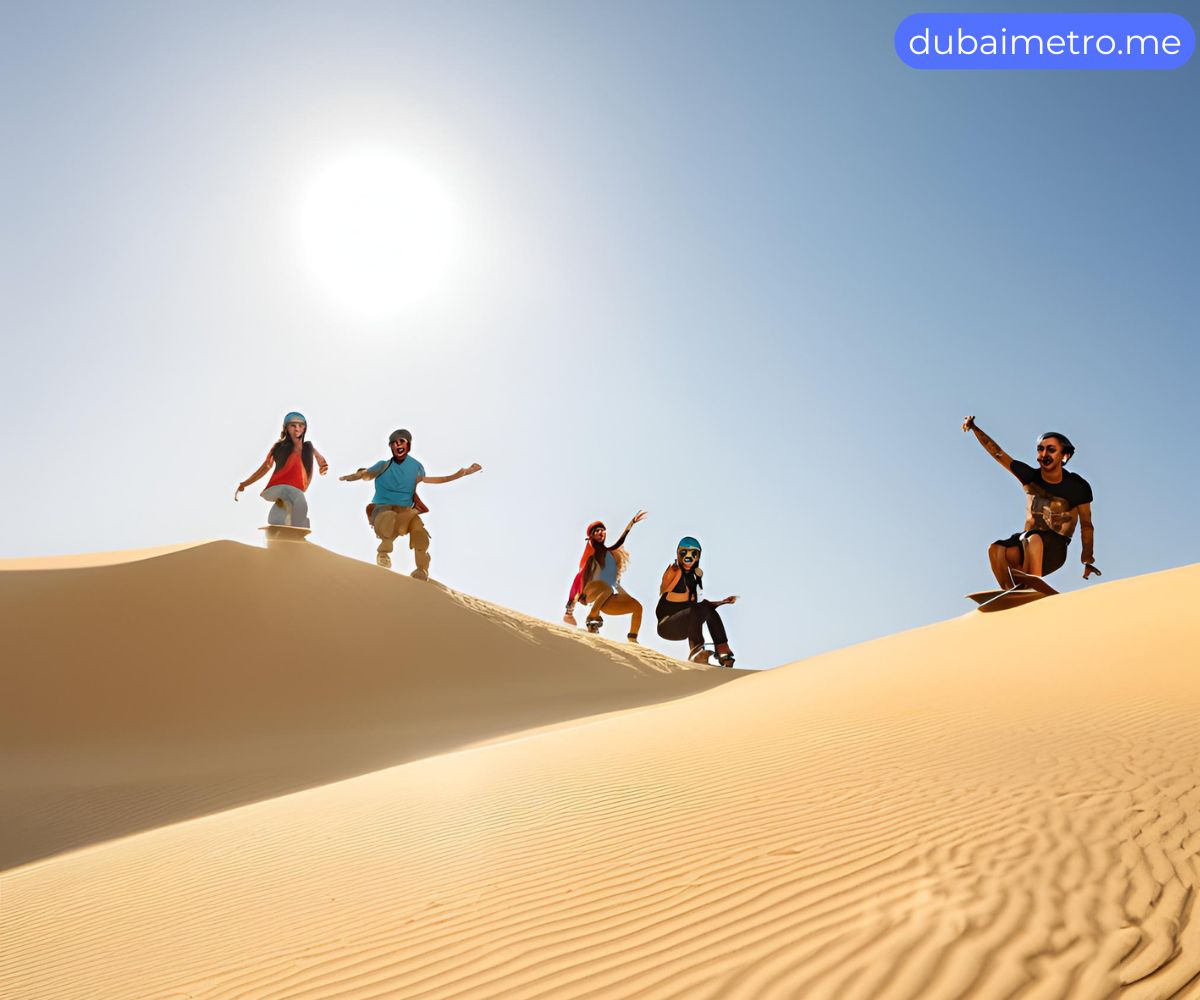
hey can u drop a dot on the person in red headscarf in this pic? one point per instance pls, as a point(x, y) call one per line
point(598, 581)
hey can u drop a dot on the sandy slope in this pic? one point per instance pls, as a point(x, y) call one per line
point(997, 806)
point(148, 687)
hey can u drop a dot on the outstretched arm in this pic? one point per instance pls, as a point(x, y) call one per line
point(989, 445)
point(640, 515)
point(470, 470)
point(367, 474)
point(257, 475)
point(1087, 535)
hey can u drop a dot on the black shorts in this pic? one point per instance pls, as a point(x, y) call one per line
point(1054, 548)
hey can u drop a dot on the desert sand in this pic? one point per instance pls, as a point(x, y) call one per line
point(202, 803)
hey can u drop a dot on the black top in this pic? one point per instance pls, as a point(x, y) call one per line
point(1051, 504)
point(688, 583)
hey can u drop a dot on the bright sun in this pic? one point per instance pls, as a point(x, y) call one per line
point(377, 232)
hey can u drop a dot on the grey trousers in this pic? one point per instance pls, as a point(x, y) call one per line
point(288, 506)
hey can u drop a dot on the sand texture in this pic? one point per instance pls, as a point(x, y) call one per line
point(996, 806)
point(160, 687)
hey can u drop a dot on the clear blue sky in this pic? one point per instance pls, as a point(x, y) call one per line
point(735, 264)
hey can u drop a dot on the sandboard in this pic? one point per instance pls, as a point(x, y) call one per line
point(1011, 599)
point(1026, 587)
point(1031, 582)
point(285, 533)
point(982, 596)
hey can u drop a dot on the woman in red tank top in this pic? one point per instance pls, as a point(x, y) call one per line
point(292, 456)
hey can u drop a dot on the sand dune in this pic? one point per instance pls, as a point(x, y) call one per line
point(160, 685)
point(996, 806)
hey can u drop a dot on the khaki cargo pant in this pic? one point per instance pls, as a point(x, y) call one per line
point(391, 522)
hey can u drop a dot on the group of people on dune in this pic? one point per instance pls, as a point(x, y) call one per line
point(1056, 501)
point(396, 509)
point(681, 612)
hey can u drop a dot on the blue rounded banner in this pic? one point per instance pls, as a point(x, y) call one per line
point(1045, 41)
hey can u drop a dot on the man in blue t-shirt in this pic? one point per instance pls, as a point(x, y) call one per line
point(396, 509)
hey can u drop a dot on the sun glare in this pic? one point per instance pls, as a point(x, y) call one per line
point(377, 232)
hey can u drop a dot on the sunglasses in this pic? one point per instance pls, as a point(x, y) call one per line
point(693, 554)
point(599, 529)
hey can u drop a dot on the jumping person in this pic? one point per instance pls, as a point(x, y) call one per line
point(1055, 500)
point(598, 581)
point(680, 612)
point(292, 455)
point(396, 509)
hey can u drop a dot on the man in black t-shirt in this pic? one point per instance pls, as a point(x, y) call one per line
point(1055, 501)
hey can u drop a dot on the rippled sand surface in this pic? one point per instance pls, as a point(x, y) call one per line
point(996, 806)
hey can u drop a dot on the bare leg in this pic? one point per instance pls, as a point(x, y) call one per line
point(1033, 555)
point(1002, 557)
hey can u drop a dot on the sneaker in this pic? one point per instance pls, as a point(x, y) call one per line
point(419, 574)
point(383, 559)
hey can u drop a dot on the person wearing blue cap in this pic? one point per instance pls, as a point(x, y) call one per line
point(682, 614)
point(292, 455)
point(396, 509)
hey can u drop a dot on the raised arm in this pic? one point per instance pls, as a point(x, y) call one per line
point(990, 446)
point(1087, 536)
point(470, 470)
point(632, 521)
point(257, 475)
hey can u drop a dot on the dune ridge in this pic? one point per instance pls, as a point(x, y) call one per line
point(172, 683)
point(995, 806)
